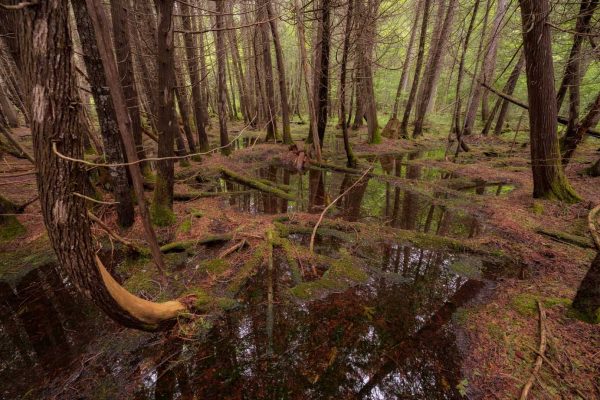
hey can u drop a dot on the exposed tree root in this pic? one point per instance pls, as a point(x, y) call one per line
point(579, 241)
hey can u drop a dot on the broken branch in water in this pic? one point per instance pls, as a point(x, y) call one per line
point(314, 232)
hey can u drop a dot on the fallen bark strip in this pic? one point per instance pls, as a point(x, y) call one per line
point(564, 237)
point(256, 184)
point(186, 244)
point(561, 120)
point(540, 353)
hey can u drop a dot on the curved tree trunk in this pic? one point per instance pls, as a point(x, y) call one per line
point(549, 180)
point(50, 80)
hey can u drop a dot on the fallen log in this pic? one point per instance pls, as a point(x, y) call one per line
point(256, 184)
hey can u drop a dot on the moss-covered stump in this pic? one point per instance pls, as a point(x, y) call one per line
point(392, 129)
point(342, 274)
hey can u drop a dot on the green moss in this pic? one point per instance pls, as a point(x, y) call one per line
point(206, 302)
point(538, 208)
point(345, 268)
point(216, 266)
point(162, 215)
point(310, 290)
point(340, 275)
point(16, 264)
point(248, 269)
point(526, 304)
point(469, 267)
point(196, 214)
point(141, 281)
point(588, 318)
point(186, 226)
point(376, 139)
point(10, 229)
point(289, 250)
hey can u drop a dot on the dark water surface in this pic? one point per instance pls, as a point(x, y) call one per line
point(391, 337)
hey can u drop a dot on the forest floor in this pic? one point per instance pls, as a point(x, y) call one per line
point(498, 331)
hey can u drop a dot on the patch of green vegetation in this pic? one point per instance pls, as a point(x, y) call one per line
point(186, 226)
point(215, 266)
point(162, 216)
point(340, 275)
point(205, 302)
point(461, 316)
point(309, 290)
point(588, 318)
point(248, 269)
point(196, 214)
point(538, 208)
point(11, 229)
point(141, 281)
point(289, 249)
point(345, 268)
point(526, 304)
point(15, 264)
point(469, 267)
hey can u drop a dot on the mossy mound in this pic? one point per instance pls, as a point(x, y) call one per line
point(469, 267)
point(162, 216)
point(11, 229)
point(216, 266)
point(342, 274)
point(205, 302)
point(526, 304)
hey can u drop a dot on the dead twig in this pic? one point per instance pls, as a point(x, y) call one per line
point(232, 249)
point(112, 234)
point(540, 353)
point(314, 232)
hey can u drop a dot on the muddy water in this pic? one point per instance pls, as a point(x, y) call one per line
point(393, 336)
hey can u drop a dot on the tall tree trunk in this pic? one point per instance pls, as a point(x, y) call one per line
point(192, 64)
point(582, 29)
point(121, 33)
point(456, 124)
point(167, 125)
point(351, 160)
point(221, 78)
point(322, 69)
point(48, 52)
point(492, 52)
point(369, 37)
point(473, 99)
point(509, 89)
point(106, 115)
point(262, 17)
point(283, 94)
point(305, 70)
point(435, 56)
point(418, 66)
point(549, 180)
point(403, 82)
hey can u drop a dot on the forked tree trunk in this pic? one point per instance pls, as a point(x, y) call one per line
point(417, 73)
point(576, 132)
point(434, 61)
point(549, 180)
point(221, 78)
point(403, 82)
point(283, 93)
point(47, 47)
point(582, 29)
point(106, 115)
point(121, 34)
point(262, 17)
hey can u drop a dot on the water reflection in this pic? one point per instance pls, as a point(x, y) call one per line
point(43, 324)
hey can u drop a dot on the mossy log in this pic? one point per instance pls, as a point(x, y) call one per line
point(285, 230)
point(256, 184)
point(339, 168)
point(565, 237)
point(198, 195)
point(186, 244)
